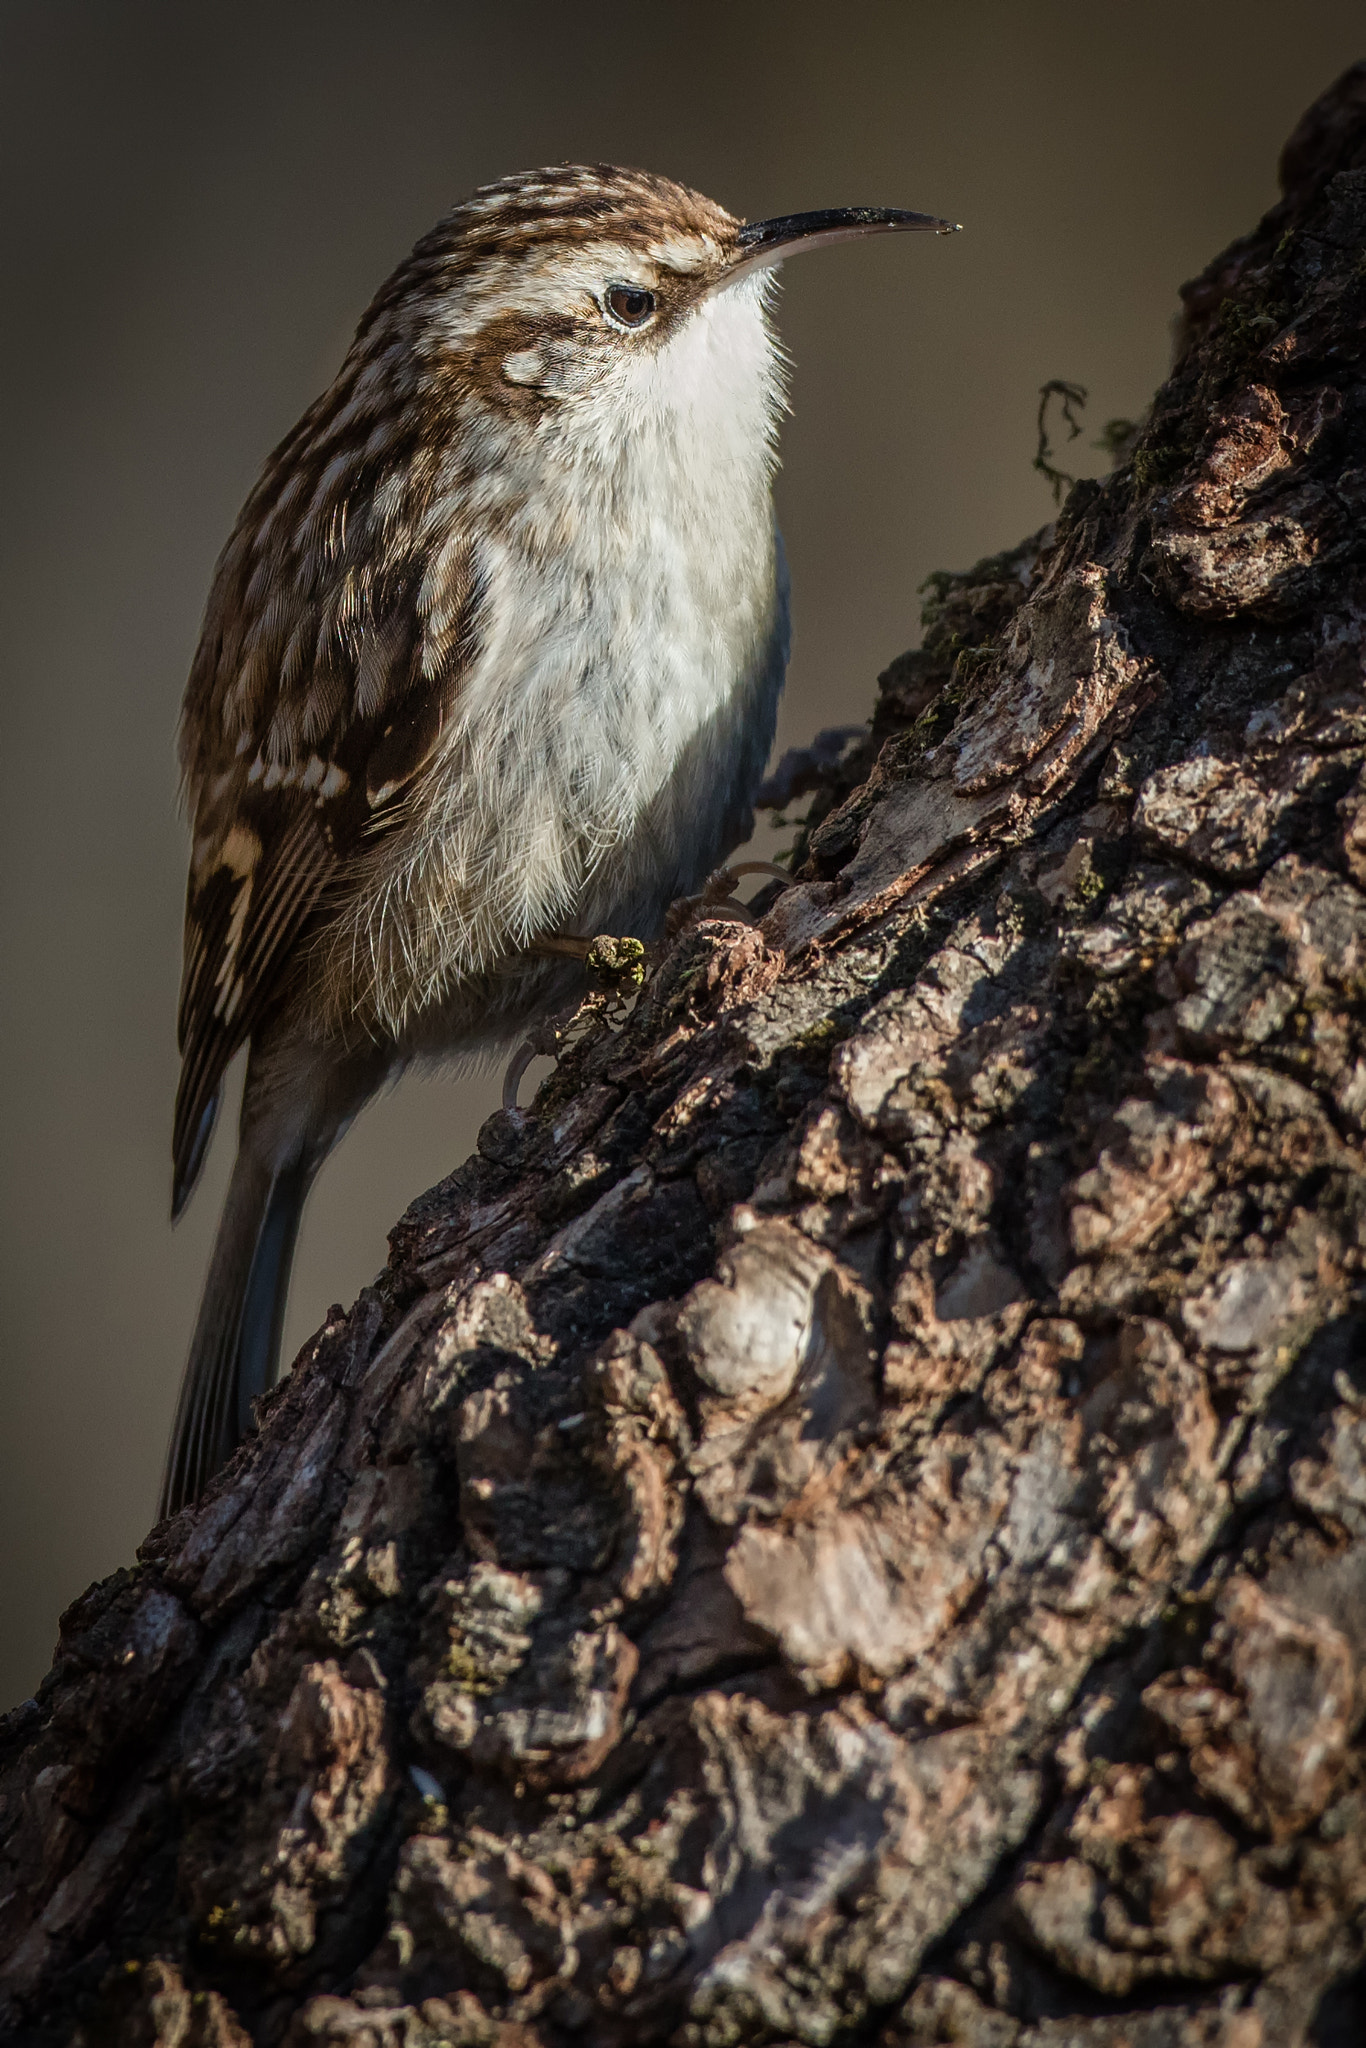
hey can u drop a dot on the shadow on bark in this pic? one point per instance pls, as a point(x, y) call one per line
point(847, 1522)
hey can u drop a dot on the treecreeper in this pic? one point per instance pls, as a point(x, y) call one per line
point(491, 661)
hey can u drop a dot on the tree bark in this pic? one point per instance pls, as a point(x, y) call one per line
point(847, 1521)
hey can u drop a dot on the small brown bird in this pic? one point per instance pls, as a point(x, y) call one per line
point(493, 655)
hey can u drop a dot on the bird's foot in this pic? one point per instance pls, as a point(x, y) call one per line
point(717, 898)
point(616, 969)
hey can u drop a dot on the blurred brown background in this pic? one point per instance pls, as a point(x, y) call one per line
point(197, 203)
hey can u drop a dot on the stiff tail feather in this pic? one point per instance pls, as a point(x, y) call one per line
point(237, 1336)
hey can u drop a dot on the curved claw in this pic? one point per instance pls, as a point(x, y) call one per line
point(517, 1066)
point(761, 867)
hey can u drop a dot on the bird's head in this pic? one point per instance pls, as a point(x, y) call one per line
point(585, 279)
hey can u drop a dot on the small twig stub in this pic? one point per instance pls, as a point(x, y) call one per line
point(1071, 398)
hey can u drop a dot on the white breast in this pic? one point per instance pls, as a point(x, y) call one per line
point(624, 697)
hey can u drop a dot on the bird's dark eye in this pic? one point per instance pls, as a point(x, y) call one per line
point(630, 304)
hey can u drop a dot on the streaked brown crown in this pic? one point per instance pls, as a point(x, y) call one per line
point(565, 203)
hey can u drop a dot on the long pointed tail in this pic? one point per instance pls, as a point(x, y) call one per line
point(237, 1337)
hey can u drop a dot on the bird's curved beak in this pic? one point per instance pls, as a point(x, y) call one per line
point(762, 243)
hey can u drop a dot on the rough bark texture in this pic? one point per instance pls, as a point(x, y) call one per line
point(847, 1522)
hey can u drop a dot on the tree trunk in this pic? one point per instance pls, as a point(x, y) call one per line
point(848, 1520)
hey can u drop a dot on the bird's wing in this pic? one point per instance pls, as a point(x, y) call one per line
point(308, 717)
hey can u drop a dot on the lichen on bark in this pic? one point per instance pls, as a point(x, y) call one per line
point(847, 1521)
